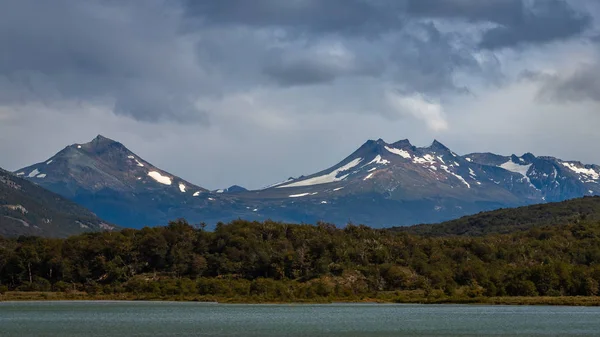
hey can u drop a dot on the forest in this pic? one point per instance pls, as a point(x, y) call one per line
point(277, 262)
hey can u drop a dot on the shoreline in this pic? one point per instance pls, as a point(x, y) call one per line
point(15, 296)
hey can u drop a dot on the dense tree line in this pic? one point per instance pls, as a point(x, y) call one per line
point(280, 261)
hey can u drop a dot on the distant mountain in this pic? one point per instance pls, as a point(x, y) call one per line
point(385, 184)
point(510, 220)
point(28, 209)
point(115, 183)
point(379, 184)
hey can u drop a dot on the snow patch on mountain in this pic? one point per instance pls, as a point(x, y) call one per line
point(20, 174)
point(368, 176)
point(302, 195)
point(182, 187)
point(379, 160)
point(445, 168)
point(137, 161)
point(582, 170)
point(33, 173)
point(400, 152)
point(49, 162)
point(326, 178)
point(426, 159)
point(42, 175)
point(337, 189)
point(160, 178)
point(516, 168)
point(196, 194)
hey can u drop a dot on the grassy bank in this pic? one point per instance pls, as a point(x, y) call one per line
point(406, 298)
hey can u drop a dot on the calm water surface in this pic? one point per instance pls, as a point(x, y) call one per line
point(195, 319)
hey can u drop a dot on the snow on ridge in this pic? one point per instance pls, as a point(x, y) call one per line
point(445, 168)
point(400, 152)
point(469, 159)
point(219, 191)
point(33, 173)
point(582, 170)
point(160, 178)
point(302, 195)
point(42, 175)
point(130, 157)
point(20, 174)
point(326, 178)
point(49, 162)
point(182, 187)
point(378, 160)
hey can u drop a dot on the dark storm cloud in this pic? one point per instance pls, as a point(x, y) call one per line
point(125, 54)
point(316, 16)
point(505, 12)
point(545, 21)
point(518, 22)
point(152, 60)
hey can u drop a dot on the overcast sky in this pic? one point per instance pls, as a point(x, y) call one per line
point(250, 92)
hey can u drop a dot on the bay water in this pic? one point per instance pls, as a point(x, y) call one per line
point(112, 318)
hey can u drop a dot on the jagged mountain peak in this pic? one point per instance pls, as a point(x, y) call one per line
point(402, 144)
point(438, 147)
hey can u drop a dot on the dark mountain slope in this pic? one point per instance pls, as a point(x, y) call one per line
point(28, 209)
point(514, 219)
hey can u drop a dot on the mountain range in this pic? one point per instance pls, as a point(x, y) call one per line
point(380, 184)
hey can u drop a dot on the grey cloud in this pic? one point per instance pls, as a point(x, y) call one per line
point(426, 61)
point(348, 16)
point(152, 60)
point(583, 84)
point(518, 21)
point(320, 63)
point(505, 12)
point(99, 51)
point(544, 21)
